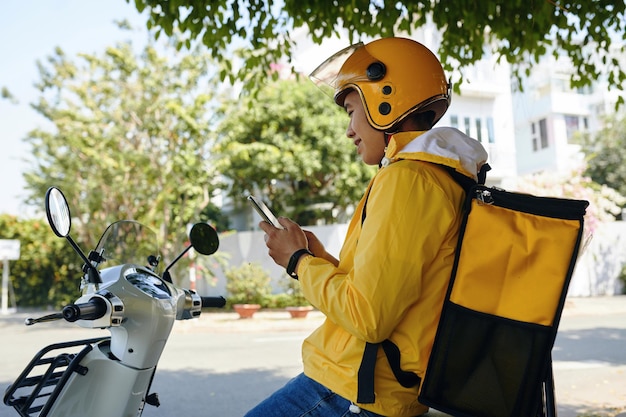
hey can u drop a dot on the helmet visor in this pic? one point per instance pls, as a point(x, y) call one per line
point(326, 75)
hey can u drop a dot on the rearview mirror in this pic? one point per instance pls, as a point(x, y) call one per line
point(58, 212)
point(204, 239)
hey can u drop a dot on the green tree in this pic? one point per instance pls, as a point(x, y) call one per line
point(128, 139)
point(606, 154)
point(287, 145)
point(517, 30)
point(48, 272)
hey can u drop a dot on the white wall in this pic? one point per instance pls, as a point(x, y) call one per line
point(599, 266)
point(250, 246)
point(596, 273)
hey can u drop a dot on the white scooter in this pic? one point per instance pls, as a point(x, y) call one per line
point(110, 376)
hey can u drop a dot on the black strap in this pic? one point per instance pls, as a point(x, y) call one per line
point(406, 378)
point(365, 388)
point(482, 174)
point(365, 206)
point(466, 182)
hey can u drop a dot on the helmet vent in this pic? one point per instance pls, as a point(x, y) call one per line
point(384, 108)
point(387, 90)
point(376, 71)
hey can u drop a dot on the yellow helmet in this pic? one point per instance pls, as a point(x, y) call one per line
point(395, 77)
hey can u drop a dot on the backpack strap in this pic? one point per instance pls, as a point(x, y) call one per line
point(466, 182)
point(365, 389)
point(365, 385)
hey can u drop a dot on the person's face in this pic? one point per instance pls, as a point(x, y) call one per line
point(370, 143)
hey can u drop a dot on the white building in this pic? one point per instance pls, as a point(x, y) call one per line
point(548, 114)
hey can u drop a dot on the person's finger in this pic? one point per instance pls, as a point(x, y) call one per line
point(286, 222)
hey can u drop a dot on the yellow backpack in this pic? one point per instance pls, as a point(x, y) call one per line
point(515, 257)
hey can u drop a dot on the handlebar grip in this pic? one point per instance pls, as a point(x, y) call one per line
point(91, 310)
point(213, 302)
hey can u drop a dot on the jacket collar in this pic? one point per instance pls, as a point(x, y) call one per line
point(444, 145)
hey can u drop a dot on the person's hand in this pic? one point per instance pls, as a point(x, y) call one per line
point(315, 246)
point(282, 243)
point(318, 249)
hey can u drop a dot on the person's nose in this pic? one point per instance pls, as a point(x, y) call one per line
point(349, 131)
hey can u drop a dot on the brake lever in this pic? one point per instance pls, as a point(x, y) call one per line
point(50, 317)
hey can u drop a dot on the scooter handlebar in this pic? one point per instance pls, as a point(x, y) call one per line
point(213, 301)
point(91, 310)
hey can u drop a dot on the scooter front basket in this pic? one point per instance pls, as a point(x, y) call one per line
point(33, 393)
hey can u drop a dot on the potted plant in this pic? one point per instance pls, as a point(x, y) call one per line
point(248, 288)
point(298, 306)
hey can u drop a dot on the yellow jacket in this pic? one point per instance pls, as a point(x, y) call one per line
point(393, 269)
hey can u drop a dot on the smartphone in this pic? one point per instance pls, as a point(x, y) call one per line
point(264, 211)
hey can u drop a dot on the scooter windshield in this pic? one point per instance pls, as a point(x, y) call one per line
point(127, 242)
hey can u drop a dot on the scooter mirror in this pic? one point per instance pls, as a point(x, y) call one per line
point(204, 238)
point(58, 212)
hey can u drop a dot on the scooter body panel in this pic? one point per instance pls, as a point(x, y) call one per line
point(107, 389)
point(150, 313)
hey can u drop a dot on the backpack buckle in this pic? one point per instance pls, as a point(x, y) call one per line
point(484, 197)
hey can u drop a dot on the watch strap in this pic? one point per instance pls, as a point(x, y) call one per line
point(293, 261)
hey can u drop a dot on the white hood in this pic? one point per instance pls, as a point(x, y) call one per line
point(447, 146)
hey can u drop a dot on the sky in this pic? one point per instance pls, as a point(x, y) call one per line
point(30, 30)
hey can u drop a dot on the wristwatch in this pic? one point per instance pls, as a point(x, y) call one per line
point(293, 262)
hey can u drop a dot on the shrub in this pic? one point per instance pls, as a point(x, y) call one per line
point(248, 283)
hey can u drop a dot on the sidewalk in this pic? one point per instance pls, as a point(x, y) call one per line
point(227, 321)
point(574, 306)
point(279, 320)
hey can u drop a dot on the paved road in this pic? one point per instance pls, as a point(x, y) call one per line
point(222, 366)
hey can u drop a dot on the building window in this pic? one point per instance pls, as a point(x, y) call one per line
point(533, 135)
point(468, 127)
point(454, 121)
point(561, 84)
point(479, 130)
point(490, 134)
point(543, 133)
point(571, 127)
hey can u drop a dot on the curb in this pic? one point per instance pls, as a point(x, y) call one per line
point(280, 320)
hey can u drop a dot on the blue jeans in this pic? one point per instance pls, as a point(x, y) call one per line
point(303, 397)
